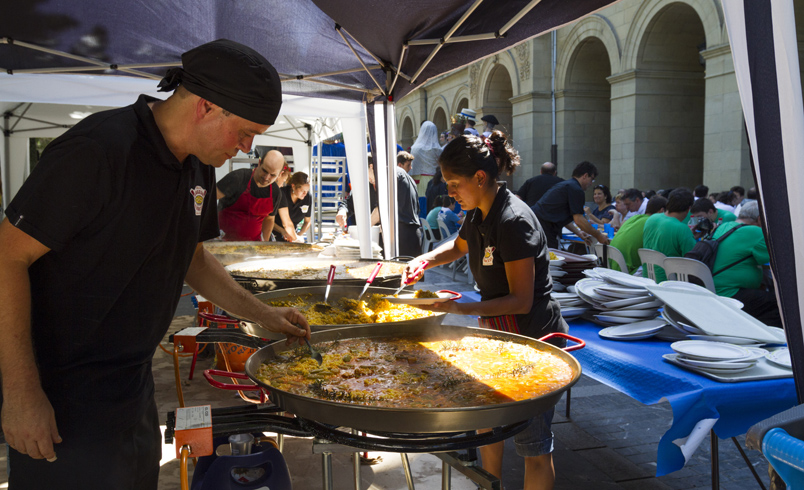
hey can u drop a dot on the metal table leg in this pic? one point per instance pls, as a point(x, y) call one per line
point(446, 476)
point(326, 467)
point(408, 474)
point(715, 460)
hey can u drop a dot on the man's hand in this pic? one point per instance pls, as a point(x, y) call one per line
point(341, 220)
point(288, 321)
point(587, 210)
point(603, 238)
point(29, 423)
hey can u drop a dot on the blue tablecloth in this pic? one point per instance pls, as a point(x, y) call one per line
point(637, 369)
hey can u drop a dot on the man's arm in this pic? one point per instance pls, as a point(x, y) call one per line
point(207, 276)
point(28, 421)
point(584, 225)
point(220, 194)
point(267, 227)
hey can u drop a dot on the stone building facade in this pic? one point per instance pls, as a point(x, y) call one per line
point(644, 89)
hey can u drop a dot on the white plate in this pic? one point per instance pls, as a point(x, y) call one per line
point(566, 303)
point(409, 299)
point(723, 338)
point(633, 313)
point(573, 312)
point(561, 295)
point(780, 357)
point(591, 274)
point(690, 329)
point(621, 292)
point(606, 333)
point(710, 351)
point(586, 290)
point(723, 371)
point(558, 287)
point(638, 328)
point(571, 289)
point(688, 286)
point(614, 320)
point(557, 273)
point(757, 352)
point(670, 333)
point(717, 364)
point(624, 279)
point(653, 305)
point(557, 262)
point(621, 303)
point(735, 303)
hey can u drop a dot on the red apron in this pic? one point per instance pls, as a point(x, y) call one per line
point(242, 221)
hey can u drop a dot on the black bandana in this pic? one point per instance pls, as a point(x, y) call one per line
point(232, 76)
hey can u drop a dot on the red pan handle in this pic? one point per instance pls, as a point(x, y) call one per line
point(374, 272)
point(209, 373)
point(456, 295)
point(331, 274)
point(581, 343)
point(218, 318)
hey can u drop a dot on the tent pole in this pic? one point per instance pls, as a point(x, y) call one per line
point(4, 180)
point(309, 168)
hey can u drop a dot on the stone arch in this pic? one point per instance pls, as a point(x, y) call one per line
point(670, 89)
point(583, 109)
point(460, 100)
point(592, 27)
point(487, 69)
point(406, 135)
point(709, 14)
point(441, 120)
point(403, 116)
point(439, 105)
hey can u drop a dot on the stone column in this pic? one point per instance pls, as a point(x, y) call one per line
point(726, 153)
point(623, 130)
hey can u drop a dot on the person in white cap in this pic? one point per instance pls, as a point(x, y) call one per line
point(471, 119)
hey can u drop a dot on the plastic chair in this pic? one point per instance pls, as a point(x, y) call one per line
point(443, 228)
point(428, 236)
point(684, 268)
point(614, 255)
point(650, 259)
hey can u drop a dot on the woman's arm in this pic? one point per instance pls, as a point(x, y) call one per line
point(287, 225)
point(518, 301)
point(305, 226)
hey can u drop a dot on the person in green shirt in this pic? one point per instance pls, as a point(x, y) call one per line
point(432, 216)
point(628, 239)
point(747, 250)
point(703, 208)
point(667, 233)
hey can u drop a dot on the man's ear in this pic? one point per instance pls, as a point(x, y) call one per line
point(204, 108)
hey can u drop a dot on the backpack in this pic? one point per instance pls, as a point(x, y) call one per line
point(706, 250)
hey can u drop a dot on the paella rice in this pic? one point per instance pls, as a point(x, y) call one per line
point(352, 312)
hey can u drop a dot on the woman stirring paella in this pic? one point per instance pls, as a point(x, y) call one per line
point(509, 259)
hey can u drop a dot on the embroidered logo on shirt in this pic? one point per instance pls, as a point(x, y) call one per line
point(305, 208)
point(198, 198)
point(488, 258)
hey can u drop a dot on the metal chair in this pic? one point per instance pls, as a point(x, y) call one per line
point(650, 259)
point(683, 268)
point(614, 255)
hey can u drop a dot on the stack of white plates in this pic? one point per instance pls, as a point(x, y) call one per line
point(780, 357)
point(572, 306)
point(347, 248)
point(569, 268)
point(618, 297)
point(716, 357)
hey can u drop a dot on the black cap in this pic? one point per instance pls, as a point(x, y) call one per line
point(490, 119)
point(232, 76)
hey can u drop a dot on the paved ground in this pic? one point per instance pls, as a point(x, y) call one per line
point(608, 442)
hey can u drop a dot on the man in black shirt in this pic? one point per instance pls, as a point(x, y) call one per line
point(407, 199)
point(96, 247)
point(534, 188)
point(248, 200)
point(563, 204)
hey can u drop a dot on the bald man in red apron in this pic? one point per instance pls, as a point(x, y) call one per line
point(248, 200)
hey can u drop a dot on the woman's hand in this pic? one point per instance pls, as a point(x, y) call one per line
point(445, 306)
point(408, 276)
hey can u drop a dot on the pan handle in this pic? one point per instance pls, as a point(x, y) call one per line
point(209, 373)
point(581, 343)
point(212, 317)
point(456, 295)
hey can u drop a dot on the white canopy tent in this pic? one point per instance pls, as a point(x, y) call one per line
point(303, 122)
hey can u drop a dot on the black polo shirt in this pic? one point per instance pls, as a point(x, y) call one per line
point(122, 218)
point(535, 187)
point(407, 198)
point(511, 232)
point(298, 211)
point(561, 202)
point(234, 184)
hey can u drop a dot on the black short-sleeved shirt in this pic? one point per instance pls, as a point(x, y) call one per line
point(122, 218)
point(535, 187)
point(234, 184)
point(561, 202)
point(349, 205)
point(511, 232)
point(298, 211)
